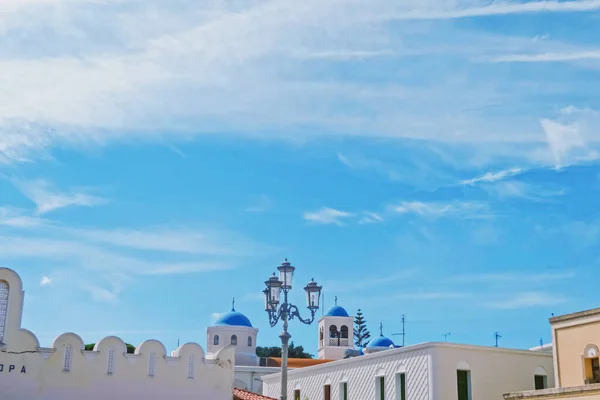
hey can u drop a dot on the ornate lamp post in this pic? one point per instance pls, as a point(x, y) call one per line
point(286, 311)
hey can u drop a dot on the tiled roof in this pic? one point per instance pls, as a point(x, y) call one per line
point(296, 362)
point(239, 394)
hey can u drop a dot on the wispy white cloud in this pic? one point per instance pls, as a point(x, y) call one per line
point(214, 317)
point(18, 218)
point(513, 277)
point(504, 8)
point(546, 57)
point(434, 295)
point(522, 190)
point(327, 216)
point(45, 281)
point(528, 300)
point(460, 209)
point(369, 217)
point(162, 67)
point(493, 176)
point(101, 294)
point(48, 198)
point(353, 285)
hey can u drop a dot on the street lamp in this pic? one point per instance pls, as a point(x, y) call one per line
point(286, 311)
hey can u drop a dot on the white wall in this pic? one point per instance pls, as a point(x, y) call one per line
point(249, 378)
point(28, 372)
point(430, 373)
point(494, 371)
point(360, 373)
point(244, 354)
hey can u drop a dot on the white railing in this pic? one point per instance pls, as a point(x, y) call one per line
point(339, 342)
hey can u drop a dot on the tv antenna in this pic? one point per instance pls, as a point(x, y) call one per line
point(403, 333)
point(446, 336)
point(497, 337)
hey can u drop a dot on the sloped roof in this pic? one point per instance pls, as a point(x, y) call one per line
point(295, 362)
point(239, 394)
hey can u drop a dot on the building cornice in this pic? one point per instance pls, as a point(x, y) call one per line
point(576, 315)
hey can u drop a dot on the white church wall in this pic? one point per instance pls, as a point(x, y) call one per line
point(245, 350)
point(430, 370)
point(250, 378)
point(360, 374)
point(66, 371)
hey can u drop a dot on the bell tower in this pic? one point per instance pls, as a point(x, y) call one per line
point(336, 333)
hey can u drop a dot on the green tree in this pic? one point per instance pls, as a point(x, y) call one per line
point(275, 351)
point(130, 347)
point(361, 333)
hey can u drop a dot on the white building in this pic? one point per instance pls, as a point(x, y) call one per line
point(430, 371)
point(65, 371)
point(336, 333)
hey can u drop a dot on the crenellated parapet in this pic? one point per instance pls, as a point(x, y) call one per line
point(67, 371)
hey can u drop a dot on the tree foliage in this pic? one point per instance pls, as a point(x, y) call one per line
point(130, 347)
point(275, 351)
point(361, 333)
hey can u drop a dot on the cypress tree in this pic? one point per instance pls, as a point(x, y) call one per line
point(361, 333)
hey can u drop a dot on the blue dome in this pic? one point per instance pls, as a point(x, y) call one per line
point(336, 311)
point(234, 318)
point(380, 341)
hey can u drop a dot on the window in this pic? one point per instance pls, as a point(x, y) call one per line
point(380, 388)
point(68, 358)
point(463, 383)
point(344, 331)
point(592, 370)
point(3, 308)
point(234, 340)
point(110, 365)
point(333, 331)
point(190, 374)
point(344, 391)
point(297, 394)
point(249, 341)
point(401, 386)
point(216, 340)
point(151, 365)
point(541, 382)
point(327, 392)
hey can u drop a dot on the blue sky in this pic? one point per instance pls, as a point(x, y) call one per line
point(433, 158)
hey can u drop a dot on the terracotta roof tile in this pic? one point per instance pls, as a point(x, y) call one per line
point(239, 394)
point(296, 362)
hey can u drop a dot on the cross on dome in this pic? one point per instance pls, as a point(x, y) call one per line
point(336, 300)
point(381, 328)
point(233, 305)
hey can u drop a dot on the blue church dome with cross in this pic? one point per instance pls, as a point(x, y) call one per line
point(337, 311)
point(380, 341)
point(233, 318)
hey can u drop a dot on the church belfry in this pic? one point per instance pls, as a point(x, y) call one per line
point(336, 333)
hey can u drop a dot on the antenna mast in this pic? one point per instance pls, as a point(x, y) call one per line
point(403, 334)
point(497, 337)
point(446, 336)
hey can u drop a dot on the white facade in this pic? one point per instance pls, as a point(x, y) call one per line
point(241, 337)
point(67, 372)
point(430, 372)
point(336, 335)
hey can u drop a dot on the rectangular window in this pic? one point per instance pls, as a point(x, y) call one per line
point(297, 394)
point(380, 388)
point(344, 391)
point(151, 365)
point(400, 386)
point(191, 367)
point(110, 367)
point(463, 381)
point(68, 357)
point(541, 382)
point(327, 392)
point(3, 308)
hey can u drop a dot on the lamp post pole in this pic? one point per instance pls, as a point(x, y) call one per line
point(286, 311)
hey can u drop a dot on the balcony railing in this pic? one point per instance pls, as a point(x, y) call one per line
point(344, 342)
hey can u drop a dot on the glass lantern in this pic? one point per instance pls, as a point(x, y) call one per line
point(272, 292)
point(286, 273)
point(313, 295)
